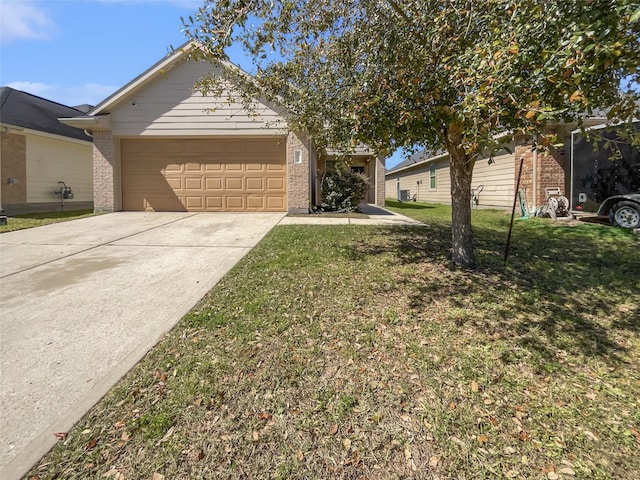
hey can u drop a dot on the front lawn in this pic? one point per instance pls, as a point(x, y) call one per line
point(30, 220)
point(355, 352)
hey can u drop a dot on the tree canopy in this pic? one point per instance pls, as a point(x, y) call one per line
point(452, 74)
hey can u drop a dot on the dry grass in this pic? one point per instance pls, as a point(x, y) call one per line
point(355, 352)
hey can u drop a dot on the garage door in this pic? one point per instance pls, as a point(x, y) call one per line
point(204, 175)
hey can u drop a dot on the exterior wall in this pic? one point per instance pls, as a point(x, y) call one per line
point(107, 175)
point(552, 171)
point(379, 181)
point(416, 180)
point(50, 160)
point(298, 174)
point(169, 106)
point(496, 180)
point(13, 164)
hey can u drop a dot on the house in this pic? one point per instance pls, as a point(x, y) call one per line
point(426, 176)
point(37, 152)
point(160, 145)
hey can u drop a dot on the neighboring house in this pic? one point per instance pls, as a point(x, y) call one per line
point(37, 152)
point(427, 176)
point(160, 145)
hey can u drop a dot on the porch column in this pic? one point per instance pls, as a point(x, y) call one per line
point(298, 172)
point(107, 174)
point(380, 179)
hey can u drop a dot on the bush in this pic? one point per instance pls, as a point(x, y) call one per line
point(342, 191)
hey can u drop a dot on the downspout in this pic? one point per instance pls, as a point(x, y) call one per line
point(535, 173)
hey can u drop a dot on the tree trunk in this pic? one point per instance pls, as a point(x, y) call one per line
point(461, 170)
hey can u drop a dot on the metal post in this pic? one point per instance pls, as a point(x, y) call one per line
point(513, 210)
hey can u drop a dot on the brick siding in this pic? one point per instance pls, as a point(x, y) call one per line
point(106, 172)
point(298, 174)
point(13, 151)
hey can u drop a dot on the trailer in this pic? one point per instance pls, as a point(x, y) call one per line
point(605, 175)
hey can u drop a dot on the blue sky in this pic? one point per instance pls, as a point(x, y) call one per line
point(80, 51)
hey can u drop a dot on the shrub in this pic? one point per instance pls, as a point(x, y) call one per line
point(342, 191)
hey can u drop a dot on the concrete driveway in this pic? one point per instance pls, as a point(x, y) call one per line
point(81, 302)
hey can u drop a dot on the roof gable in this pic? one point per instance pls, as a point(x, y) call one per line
point(25, 110)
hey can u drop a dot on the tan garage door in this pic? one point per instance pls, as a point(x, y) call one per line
point(204, 175)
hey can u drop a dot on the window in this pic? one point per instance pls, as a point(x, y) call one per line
point(432, 177)
point(357, 169)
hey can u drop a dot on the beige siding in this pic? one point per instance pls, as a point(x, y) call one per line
point(170, 106)
point(497, 181)
point(50, 160)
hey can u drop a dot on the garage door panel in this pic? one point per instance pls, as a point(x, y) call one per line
point(233, 183)
point(255, 183)
point(213, 183)
point(214, 203)
point(256, 203)
point(175, 183)
point(193, 183)
point(233, 167)
point(234, 202)
point(254, 167)
point(275, 203)
point(193, 202)
point(203, 175)
point(275, 183)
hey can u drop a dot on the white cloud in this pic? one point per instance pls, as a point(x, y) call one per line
point(91, 93)
point(26, 20)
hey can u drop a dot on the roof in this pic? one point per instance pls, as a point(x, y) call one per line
point(22, 109)
point(419, 157)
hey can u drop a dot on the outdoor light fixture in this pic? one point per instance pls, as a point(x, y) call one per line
point(297, 156)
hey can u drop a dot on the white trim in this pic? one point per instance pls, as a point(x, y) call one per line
point(102, 122)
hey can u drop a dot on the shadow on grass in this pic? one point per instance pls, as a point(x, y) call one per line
point(565, 291)
point(408, 205)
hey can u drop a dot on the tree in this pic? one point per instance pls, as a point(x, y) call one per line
point(453, 74)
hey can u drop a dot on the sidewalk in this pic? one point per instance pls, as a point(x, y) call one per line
point(377, 216)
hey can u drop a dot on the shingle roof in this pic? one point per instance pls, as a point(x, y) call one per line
point(25, 110)
point(417, 157)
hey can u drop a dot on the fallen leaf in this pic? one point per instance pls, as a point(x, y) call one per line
point(91, 445)
point(61, 435)
point(452, 406)
point(125, 436)
point(493, 421)
point(300, 455)
point(553, 476)
point(158, 476)
point(483, 438)
point(474, 386)
point(118, 425)
point(346, 443)
point(433, 461)
point(589, 434)
point(333, 429)
point(407, 452)
point(255, 436)
point(567, 471)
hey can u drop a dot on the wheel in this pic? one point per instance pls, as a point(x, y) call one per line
point(625, 215)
